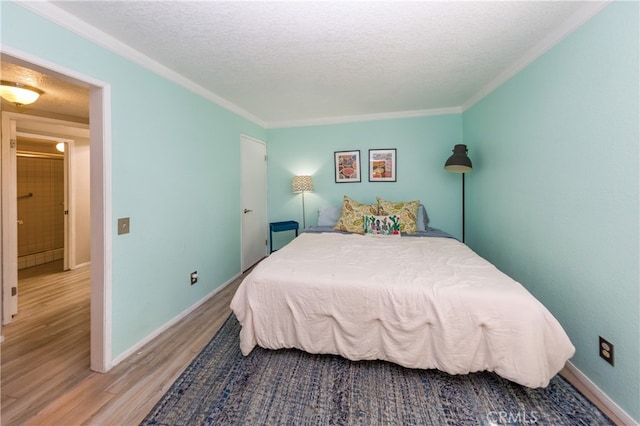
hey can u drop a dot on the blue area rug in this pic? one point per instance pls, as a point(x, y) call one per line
point(291, 387)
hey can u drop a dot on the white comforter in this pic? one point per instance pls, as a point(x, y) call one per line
point(418, 302)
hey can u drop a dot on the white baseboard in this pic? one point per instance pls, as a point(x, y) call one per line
point(603, 397)
point(171, 322)
point(80, 265)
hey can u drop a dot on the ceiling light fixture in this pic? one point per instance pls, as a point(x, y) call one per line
point(18, 93)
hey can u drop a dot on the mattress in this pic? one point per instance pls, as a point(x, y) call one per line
point(418, 302)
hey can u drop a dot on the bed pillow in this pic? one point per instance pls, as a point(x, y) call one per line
point(407, 211)
point(423, 218)
point(352, 215)
point(382, 226)
point(328, 216)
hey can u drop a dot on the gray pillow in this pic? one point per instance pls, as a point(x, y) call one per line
point(423, 218)
point(328, 216)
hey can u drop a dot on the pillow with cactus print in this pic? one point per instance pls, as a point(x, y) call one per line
point(407, 211)
point(352, 215)
point(382, 226)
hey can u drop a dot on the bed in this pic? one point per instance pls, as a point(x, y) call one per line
point(421, 301)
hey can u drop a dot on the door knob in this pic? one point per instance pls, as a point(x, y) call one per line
point(247, 211)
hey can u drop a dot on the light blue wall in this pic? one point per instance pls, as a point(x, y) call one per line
point(423, 145)
point(553, 198)
point(562, 218)
point(176, 160)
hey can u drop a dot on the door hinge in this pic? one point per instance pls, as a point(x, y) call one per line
point(266, 242)
point(14, 291)
point(66, 212)
point(265, 158)
point(12, 143)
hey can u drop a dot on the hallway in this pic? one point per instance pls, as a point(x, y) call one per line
point(46, 348)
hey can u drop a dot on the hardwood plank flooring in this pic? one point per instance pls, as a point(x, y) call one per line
point(45, 357)
point(46, 347)
point(46, 378)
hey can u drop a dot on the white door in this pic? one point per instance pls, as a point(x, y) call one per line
point(9, 221)
point(9, 207)
point(253, 199)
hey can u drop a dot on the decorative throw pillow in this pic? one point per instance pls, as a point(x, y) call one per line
point(382, 226)
point(352, 215)
point(407, 211)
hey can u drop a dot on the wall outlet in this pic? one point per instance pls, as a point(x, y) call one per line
point(605, 349)
point(194, 277)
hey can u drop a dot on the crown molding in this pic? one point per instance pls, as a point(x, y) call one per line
point(591, 9)
point(364, 117)
point(93, 34)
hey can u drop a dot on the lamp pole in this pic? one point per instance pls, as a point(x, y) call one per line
point(463, 206)
point(304, 225)
point(459, 162)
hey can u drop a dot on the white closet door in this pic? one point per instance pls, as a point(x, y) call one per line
point(253, 201)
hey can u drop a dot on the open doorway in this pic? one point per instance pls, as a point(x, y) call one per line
point(98, 154)
point(48, 217)
point(45, 213)
point(46, 348)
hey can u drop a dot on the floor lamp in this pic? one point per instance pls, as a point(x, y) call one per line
point(459, 162)
point(302, 184)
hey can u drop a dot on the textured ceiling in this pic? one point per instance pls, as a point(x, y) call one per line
point(287, 62)
point(61, 98)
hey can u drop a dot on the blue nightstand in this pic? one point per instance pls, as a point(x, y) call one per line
point(289, 225)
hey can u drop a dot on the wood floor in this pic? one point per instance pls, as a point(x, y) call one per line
point(45, 356)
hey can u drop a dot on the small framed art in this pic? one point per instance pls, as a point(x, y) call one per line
point(382, 165)
point(347, 165)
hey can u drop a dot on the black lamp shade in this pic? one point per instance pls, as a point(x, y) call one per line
point(459, 162)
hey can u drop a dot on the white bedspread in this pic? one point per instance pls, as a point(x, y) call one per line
point(417, 302)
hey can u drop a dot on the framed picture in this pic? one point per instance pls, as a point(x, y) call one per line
point(347, 165)
point(382, 165)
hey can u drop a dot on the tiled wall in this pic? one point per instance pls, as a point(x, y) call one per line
point(41, 215)
point(40, 258)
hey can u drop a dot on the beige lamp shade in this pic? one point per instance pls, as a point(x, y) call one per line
point(302, 184)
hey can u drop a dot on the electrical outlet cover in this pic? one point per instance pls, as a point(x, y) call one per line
point(605, 350)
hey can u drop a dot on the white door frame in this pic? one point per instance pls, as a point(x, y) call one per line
point(9, 303)
point(101, 202)
point(69, 195)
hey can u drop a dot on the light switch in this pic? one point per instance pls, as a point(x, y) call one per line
point(123, 225)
